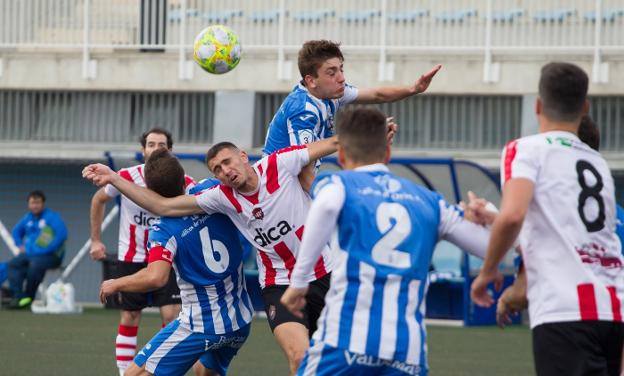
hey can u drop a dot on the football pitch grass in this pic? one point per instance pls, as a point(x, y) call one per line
point(83, 345)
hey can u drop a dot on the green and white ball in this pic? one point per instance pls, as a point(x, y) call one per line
point(217, 49)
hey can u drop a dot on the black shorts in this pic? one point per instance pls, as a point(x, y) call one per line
point(315, 301)
point(136, 301)
point(578, 348)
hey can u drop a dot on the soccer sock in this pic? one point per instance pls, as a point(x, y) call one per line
point(125, 345)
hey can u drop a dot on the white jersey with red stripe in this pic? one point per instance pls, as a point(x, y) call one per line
point(134, 221)
point(271, 218)
point(572, 254)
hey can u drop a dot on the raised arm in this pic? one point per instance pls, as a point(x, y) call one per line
point(179, 206)
point(386, 94)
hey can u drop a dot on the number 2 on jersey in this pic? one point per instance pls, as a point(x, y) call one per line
point(590, 191)
point(216, 255)
point(384, 252)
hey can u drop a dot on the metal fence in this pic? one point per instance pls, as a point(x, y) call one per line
point(382, 27)
point(80, 116)
point(475, 122)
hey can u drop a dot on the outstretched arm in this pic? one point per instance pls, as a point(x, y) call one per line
point(323, 148)
point(101, 175)
point(394, 93)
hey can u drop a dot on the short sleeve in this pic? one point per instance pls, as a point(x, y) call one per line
point(350, 95)
point(210, 200)
point(301, 128)
point(161, 245)
point(519, 160)
point(291, 159)
point(111, 191)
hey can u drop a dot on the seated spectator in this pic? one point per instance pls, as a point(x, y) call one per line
point(40, 236)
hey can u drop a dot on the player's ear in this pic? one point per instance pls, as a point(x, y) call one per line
point(341, 156)
point(538, 106)
point(309, 81)
point(388, 154)
point(244, 156)
point(585, 107)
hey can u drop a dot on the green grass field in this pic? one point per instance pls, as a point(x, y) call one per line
point(83, 345)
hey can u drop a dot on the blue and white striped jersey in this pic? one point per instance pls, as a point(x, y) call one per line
point(303, 118)
point(206, 254)
point(387, 228)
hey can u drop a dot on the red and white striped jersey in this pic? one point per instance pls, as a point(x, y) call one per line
point(570, 249)
point(134, 221)
point(271, 218)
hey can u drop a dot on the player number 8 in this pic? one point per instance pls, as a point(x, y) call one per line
point(590, 191)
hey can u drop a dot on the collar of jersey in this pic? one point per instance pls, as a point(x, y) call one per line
point(373, 167)
point(305, 89)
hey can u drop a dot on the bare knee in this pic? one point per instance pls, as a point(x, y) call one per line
point(200, 370)
point(169, 312)
point(134, 370)
point(130, 318)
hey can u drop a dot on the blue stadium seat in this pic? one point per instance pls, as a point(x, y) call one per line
point(409, 16)
point(222, 16)
point(176, 14)
point(266, 16)
point(507, 15)
point(313, 15)
point(456, 15)
point(607, 15)
point(360, 15)
point(556, 15)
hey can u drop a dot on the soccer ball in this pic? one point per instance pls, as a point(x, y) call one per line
point(216, 49)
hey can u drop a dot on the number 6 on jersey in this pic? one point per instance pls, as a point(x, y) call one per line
point(216, 255)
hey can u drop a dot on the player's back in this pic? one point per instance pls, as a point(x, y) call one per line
point(207, 257)
point(387, 230)
point(572, 255)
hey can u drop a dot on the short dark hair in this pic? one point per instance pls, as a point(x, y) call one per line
point(36, 194)
point(313, 54)
point(164, 174)
point(166, 133)
point(563, 91)
point(362, 133)
point(589, 133)
point(216, 148)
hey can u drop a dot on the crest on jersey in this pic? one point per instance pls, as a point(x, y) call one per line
point(258, 213)
point(388, 183)
point(306, 136)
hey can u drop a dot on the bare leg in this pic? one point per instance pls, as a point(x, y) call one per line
point(293, 339)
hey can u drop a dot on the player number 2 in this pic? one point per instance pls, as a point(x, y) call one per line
point(216, 255)
point(590, 191)
point(393, 221)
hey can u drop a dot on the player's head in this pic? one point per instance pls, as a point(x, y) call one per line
point(320, 65)
point(155, 138)
point(589, 133)
point(362, 138)
point(36, 202)
point(229, 164)
point(562, 93)
point(164, 174)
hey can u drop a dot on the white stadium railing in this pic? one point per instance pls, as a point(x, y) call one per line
point(591, 28)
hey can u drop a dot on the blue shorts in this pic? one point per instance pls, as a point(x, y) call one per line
point(324, 360)
point(175, 349)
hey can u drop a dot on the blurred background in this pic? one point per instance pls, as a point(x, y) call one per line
point(80, 78)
